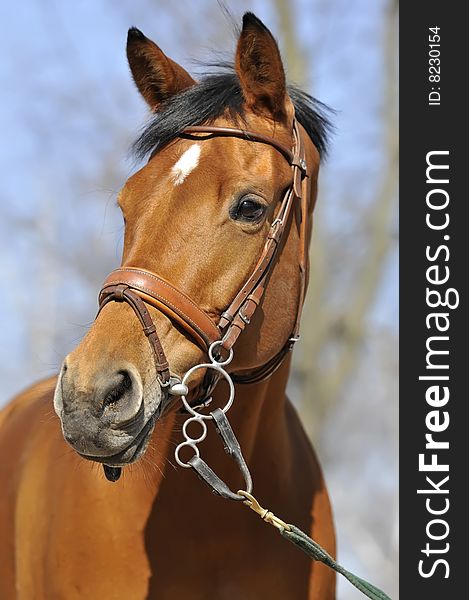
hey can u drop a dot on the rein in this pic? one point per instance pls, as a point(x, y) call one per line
point(139, 287)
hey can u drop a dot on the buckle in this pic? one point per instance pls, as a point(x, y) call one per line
point(243, 317)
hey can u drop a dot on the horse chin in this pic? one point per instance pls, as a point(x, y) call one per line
point(131, 453)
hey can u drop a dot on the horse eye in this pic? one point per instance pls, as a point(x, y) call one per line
point(248, 210)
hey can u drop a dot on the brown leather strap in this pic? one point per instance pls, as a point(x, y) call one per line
point(241, 310)
point(244, 134)
point(175, 304)
point(304, 246)
point(264, 371)
point(122, 293)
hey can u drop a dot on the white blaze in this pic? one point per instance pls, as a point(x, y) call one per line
point(186, 164)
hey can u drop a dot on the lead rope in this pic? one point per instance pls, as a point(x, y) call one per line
point(232, 447)
point(311, 548)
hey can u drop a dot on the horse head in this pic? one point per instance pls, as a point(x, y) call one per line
point(197, 215)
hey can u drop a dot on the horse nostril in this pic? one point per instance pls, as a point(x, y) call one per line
point(119, 390)
point(120, 399)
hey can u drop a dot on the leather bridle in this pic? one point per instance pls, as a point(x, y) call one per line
point(140, 288)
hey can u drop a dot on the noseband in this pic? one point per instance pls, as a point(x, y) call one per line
point(140, 288)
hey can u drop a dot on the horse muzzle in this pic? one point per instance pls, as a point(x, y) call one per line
point(107, 420)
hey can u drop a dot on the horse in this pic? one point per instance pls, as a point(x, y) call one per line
point(225, 155)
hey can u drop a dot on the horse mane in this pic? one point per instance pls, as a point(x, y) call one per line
point(218, 94)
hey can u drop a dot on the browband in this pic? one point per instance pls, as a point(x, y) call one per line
point(245, 134)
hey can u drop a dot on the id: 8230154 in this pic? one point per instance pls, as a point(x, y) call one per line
point(434, 65)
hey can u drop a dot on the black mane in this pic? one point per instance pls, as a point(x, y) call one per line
point(212, 97)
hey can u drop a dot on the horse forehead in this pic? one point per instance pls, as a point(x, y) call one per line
point(227, 157)
point(186, 163)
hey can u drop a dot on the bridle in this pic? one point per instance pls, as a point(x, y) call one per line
point(140, 288)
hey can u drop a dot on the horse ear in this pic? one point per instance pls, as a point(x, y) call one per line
point(156, 76)
point(260, 70)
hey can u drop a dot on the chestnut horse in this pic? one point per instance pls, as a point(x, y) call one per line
point(197, 214)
